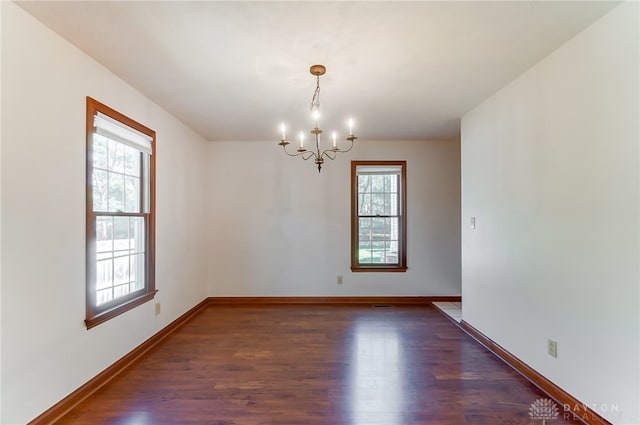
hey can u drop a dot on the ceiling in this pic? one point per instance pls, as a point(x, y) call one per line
point(236, 70)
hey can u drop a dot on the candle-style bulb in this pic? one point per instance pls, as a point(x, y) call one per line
point(282, 129)
point(350, 127)
point(335, 142)
point(301, 140)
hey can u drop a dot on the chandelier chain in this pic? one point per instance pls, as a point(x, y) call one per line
point(315, 100)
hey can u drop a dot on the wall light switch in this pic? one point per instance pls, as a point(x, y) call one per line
point(472, 223)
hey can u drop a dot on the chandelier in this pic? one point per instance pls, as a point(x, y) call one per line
point(316, 153)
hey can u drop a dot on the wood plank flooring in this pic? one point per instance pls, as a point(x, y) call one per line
point(315, 365)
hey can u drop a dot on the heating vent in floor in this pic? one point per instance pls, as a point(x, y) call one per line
point(381, 305)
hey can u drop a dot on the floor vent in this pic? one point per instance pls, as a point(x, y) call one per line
point(381, 306)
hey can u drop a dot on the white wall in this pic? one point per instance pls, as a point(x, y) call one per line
point(550, 169)
point(278, 228)
point(47, 351)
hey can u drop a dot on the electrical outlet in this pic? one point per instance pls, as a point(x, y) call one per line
point(552, 348)
point(339, 280)
point(157, 308)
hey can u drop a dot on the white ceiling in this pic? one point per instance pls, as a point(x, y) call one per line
point(235, 70)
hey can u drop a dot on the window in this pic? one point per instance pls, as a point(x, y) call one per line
point(378, 216)
point(120, 213)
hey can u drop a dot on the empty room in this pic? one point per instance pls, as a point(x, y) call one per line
point(320, 213)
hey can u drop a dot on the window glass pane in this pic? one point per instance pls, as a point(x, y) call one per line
point(391, 204)
point(364, 184)
point(394, 223)
point(394, 180)
point(377, 183)
point(103, 296)
point(365, 248)
point(100, 190)
point(391, 244)
point(137, 272)
point(120, 267)
point(365, 229)
point(364, 252)
point(104, 234)
point(377, 252)
point(131, 194)
point(365, 235)
point(104, 274)
point(136, 234)
point(121, 270)
point(131, 161)
point(100, 145)
point(378, 228)
point(364, 202)
point(391, 252)
point(116, 192)
point(116, 156)
point(377, 194)
point(121, 235)
point(120, 291)
point(377, 204)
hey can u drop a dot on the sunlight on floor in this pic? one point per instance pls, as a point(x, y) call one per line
point(377, 374)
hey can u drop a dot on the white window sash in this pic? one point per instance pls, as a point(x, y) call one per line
point(119, 132)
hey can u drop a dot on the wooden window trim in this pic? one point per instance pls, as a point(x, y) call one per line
point(94, 315)
point(356, 266)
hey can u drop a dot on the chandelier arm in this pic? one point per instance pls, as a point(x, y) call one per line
point(312, 154)
point(328, 152)
point(345, 150)
point(298, 153)
point(284, 147)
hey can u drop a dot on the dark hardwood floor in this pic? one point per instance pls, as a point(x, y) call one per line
point(315, 365)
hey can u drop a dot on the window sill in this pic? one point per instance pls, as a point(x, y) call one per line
point(380, 269)
point(99, 318)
